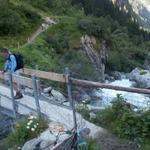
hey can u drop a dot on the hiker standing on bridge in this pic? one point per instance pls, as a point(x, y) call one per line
point(13, 64)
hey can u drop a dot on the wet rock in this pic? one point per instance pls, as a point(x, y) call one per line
point(32, 144)
point(48, 139)
point(117, 75)
point(29, 91)
point(54, 95)
point(81, 95)
point(46, 145)
point(58, 96)
point(109, 78)
point(141, 77)
point(47, 90)
point(92, 115)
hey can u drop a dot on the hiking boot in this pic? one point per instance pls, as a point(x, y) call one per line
point(18, 95)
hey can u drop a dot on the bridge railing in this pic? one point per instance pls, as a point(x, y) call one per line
point(61, 78)
point(32, 82)
point(21, 80)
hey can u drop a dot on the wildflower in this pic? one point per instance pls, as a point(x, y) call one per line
point(30, 121)
point(32, 117)
point(19, 147)
point(17, 125)
point(32, 129)
point(28, 127)
point(35, 126)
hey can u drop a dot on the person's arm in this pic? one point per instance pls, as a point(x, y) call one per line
point(6, 66)
point(13, 63)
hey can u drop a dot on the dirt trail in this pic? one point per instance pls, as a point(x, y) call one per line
point(44, 26)
point(35, 34)
point(108, 141)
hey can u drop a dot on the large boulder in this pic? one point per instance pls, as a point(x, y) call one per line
point(141, 77)
point(31, 145)
point(117, 75)
point(55, 95)
point(81, 94)
point(49, 138)
point(58, 96)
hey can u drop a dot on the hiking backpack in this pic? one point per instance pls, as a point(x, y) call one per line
point(19, 60)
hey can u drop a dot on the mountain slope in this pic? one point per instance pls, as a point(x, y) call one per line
point(140, 11)
point(60, 45)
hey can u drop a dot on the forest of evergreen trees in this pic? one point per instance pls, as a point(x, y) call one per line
point(104, 8)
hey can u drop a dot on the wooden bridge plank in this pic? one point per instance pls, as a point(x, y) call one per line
point(18, 79)
point(45, 75)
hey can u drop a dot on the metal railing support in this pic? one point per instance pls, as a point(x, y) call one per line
point(35, 89)
point(38, 83)
point(12, 94)
point(72, 104)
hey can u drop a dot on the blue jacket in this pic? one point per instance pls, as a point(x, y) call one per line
point(10, 63)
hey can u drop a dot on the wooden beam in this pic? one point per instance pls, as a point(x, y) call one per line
point(61, 78)
point(45, 75)
point(18, 79)
point(1, 76)
point(108, 86)
point(23, 81)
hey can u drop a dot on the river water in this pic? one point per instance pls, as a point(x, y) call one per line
point(140, 100)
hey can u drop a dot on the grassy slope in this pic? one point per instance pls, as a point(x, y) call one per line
point(21, 39)
point(49, 50)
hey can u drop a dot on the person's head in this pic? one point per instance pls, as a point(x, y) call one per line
point(4, 51)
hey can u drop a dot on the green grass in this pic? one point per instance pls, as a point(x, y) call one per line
point(145, 145)
point(26, 130)
point(18, 40)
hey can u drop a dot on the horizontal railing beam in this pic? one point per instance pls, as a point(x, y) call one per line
point(45, 75)
point(108, 86)
point(61, 78)
point(18, 79)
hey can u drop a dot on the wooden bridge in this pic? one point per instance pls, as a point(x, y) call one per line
point(31, 78)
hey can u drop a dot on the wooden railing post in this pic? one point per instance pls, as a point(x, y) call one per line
point(34, 82)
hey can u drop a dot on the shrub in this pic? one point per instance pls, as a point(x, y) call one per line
point(27, 130)
point(60, 42)
point(10, 22)
point(143, 72)
point(84, 111)
point(91, 144)
point(96, 27)
point(121, 119)
point(30, 15)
